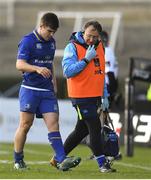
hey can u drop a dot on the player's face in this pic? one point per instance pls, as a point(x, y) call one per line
point(91, 36)
point(46, 32)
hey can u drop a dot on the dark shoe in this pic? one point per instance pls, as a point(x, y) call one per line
point(118, 157)
point(106, 168)
point(111, 159)
point(20, 165)
point(66, 164)
point(53, 162)
point(92, 157)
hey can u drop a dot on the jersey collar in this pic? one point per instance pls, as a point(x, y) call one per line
point(38, 36)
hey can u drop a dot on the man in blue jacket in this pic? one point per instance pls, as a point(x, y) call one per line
point(84, 67)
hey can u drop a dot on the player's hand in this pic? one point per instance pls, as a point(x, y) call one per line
point(90, 53)
point(105, 103)
point(45, 72)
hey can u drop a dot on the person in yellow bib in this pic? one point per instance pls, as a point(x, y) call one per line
point(148, 96)
point(84, 67)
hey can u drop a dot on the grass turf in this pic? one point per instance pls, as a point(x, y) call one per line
point(37, 158)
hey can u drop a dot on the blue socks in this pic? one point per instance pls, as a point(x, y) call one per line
point(100, 160)
point(57, 145)
point(18, 156)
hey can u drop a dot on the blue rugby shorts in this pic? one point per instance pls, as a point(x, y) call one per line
point(37, 102)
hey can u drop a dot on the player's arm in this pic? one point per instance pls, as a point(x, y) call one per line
point(54, 79)
point(23, 66)
point(23, 57)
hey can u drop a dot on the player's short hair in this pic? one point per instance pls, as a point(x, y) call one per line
point(97, 26)
point(51, 20)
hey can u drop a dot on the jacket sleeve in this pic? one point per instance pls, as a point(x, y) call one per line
point(111, 62)
point(70, 63)
point(106, 93)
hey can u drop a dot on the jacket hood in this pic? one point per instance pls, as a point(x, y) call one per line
point(77, 37)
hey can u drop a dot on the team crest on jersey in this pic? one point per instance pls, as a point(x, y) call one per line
point(39, 46)
point(52, 46)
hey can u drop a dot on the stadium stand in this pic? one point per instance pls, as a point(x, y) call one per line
point(22, 14)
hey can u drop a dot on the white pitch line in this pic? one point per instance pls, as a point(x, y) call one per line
point(30, 152)
point(28, 162)
point(134, 166)
point(47, 162)
point(4, 152)
point(39, 153)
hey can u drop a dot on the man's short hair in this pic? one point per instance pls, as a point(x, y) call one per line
point(51, 20)
point(97, 26)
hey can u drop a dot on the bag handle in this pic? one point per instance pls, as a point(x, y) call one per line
point(105, 119)
point(110, 121)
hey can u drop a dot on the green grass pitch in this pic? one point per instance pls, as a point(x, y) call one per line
point(37, 158)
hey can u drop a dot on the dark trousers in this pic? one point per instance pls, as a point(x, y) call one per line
point(88, 123)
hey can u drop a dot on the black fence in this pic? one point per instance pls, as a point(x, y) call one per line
point(137, 113)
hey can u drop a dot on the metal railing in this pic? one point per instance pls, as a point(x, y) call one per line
point(79, 16)
point(7, 13)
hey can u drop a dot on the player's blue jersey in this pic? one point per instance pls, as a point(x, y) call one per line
point(36, 51)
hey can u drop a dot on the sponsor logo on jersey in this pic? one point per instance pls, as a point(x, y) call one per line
point(39, 46)
point(41, 61)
